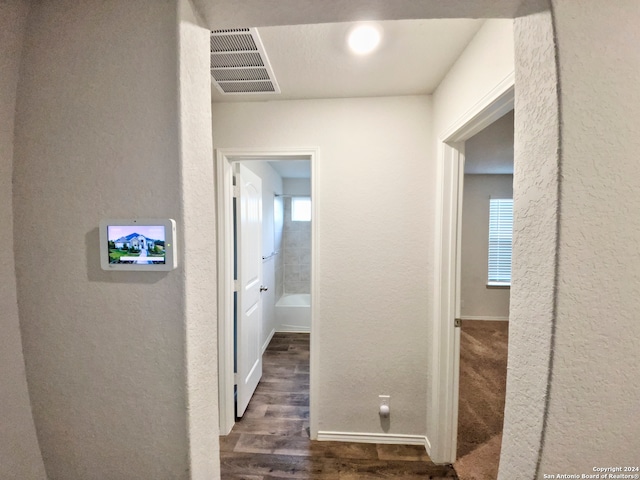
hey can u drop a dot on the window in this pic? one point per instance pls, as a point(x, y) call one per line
point(300, 209)
point(500, 237)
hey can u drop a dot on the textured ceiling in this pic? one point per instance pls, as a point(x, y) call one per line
point(258, 13)
point(313, 61)
point(292, 168)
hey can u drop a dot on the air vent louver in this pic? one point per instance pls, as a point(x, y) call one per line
point(239, 64)
point(247, 87)
point(233, 43)
point(230, 75)
point(236, 60)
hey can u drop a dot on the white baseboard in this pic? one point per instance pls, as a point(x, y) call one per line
point(427, 445)
point(485, 318)
point(266, 344)
point(384, 438)
point(293, 329)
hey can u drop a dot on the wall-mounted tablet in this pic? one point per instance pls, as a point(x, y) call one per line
point(138, 244)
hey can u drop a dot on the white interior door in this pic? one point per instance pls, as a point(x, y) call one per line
point(249, 310)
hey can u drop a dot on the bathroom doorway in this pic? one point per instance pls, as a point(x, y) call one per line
point(286, 265)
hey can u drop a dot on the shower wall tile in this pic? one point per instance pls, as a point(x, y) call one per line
point(279, 274)
point(278, 206)
point(292, 273)
point(292, 239)
point(292, 256)
point(296, 253)
point(305, 256)
point(305, 273)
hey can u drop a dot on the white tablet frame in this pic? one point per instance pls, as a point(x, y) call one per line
point(170, 258)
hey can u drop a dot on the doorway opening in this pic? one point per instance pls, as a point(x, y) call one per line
point(253, 238)
point(485, 279)
point(446, 348)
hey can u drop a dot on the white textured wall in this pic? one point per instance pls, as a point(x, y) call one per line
point(476, 299)
point(197, 196)
point(271, 184)
point(487, 60)
point(534, 246)
point(115, 359)
point(19, 453)
point(595, 391)
point(375, 201)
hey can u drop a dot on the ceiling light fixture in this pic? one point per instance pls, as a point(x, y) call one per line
point(364, 39)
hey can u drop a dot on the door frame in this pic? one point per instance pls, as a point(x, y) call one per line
point(224, 159)
point(446, 337)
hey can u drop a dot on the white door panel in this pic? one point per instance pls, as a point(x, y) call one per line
point(249, 230)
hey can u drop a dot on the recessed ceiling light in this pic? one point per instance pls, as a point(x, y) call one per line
point(364, 39)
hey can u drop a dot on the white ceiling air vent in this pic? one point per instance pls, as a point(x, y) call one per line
point(239, 64)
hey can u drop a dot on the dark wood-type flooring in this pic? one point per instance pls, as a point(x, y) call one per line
point(271, 441)
point(483, 378)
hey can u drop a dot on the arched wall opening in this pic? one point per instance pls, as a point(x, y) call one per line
point(178, 375)
point(536, 110)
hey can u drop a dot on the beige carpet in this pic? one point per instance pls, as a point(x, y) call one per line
point(481, 463)
point(483, 374)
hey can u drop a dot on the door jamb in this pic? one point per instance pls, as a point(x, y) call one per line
point(446, 338)
point(224, 159)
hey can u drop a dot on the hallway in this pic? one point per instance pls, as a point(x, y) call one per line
point(272, 440)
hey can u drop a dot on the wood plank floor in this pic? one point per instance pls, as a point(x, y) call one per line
point(271, 441)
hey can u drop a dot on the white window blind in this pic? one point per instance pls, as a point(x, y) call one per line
point(500, 239)
point(300, 209)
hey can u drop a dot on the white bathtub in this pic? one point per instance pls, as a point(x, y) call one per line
point(293, 313)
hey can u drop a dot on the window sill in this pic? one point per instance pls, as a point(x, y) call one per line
point(498, 285)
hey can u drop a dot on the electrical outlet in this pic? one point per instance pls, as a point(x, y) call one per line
point(384, 410)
